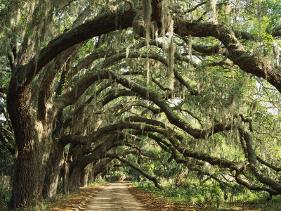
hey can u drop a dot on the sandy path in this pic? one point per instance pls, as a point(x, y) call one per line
point(115, 196)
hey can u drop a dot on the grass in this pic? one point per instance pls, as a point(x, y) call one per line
point(212, 197)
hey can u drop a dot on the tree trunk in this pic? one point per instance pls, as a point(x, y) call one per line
point(100, 167)
point(27, 181)
point(52, 175)
point(75, 179)
point(86, 175)
point(65, 176)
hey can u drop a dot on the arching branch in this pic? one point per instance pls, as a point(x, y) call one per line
point(88, 80)
point(141, 171)
point(249, 63)
point(101, 25)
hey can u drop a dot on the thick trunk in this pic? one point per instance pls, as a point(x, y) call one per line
point(27, 181)
point(76, 168)
point(52, 175)
point(100, 167)
point(65, 176)
point(31, 138)
point(75, 179)
point(85, 176)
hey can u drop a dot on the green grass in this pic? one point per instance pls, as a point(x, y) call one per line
point(213, 196)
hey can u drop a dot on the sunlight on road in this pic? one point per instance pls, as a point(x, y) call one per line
point(115, 197)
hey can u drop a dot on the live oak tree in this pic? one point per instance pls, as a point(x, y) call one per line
point(201, 83)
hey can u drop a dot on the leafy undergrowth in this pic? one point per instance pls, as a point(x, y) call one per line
point(76, 200)
point(199, 198)
point(155, 202)
point(5, 192)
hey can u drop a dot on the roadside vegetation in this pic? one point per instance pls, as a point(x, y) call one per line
point(183, 94)
point(208, 196)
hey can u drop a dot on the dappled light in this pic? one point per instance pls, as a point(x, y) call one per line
point(140, 105)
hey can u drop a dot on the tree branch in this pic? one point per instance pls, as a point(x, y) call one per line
point(249, 63)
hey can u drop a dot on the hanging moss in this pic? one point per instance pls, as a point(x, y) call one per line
point(147, 11)
point(213, 9)
point(165, 18)
point(171, 58)
point(147, 72)
point(276, 52)
point(189, 50)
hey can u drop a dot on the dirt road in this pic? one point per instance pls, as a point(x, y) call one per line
point(115, 196)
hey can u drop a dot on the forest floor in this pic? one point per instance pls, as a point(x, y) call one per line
point(74, 201)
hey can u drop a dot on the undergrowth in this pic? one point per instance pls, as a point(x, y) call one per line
point(213, 196)
point(5, 192)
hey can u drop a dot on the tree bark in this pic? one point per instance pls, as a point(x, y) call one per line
point(65, 174)
point(32, 138)
point(27, 181)
point(75, 179)
point(85, 176)
point(53, 168)
point(100, 167)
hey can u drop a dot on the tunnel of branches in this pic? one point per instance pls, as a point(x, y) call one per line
point(164, 89)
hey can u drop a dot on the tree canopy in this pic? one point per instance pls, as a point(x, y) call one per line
point(158, 86)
